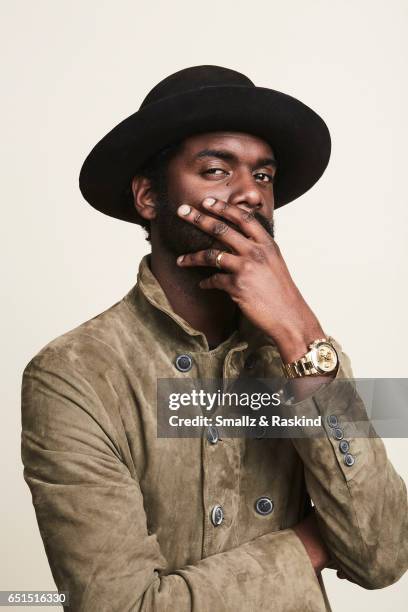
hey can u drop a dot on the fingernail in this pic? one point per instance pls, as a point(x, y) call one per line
point(209, 201)
point(184, 209)
point(180, 259)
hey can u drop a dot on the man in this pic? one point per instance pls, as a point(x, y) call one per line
point(133, 521)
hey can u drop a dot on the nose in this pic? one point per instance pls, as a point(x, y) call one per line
point(245, 191)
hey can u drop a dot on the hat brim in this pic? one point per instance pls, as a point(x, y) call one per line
point(298, 136)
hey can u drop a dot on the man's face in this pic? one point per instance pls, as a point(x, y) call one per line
point(231, 166)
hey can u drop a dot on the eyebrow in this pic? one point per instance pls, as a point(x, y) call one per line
point(228, 156)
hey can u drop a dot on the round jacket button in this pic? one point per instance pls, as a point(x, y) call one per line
point(264, 505)
point(217, 515)
point(338, 433)
point(349, 459)
point(344, 446)
point(212, 435)
point(332, 420)
point(184, 363)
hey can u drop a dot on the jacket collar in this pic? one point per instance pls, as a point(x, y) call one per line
point(148, 295)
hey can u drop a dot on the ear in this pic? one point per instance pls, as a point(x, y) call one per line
point(143, 197)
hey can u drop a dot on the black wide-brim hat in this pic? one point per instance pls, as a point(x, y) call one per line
point(206, 99)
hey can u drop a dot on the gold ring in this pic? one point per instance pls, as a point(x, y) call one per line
point(218, 259)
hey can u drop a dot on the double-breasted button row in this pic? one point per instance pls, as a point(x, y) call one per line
point(344, 445)
point(263, 505)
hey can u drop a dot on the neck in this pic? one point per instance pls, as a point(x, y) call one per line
point(210, 311)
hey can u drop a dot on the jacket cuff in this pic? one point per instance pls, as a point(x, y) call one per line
point(343, 417)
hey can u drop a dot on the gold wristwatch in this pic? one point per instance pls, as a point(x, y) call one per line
point(321, 359)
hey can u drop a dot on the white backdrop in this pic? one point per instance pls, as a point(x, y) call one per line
point(73, 69)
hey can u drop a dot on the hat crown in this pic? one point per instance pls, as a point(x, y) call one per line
point(195, 77)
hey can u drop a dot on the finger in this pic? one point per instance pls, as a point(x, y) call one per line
point(216, 227)
point(208, 257)
point(242, 218)
point(217, 281)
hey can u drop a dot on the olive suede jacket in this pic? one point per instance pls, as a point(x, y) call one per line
point(125, 516)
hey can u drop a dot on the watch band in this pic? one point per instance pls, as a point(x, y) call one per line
point(305, 366)
point(300, 367)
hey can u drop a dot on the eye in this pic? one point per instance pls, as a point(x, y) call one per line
point(213, 171)
point(269, 177)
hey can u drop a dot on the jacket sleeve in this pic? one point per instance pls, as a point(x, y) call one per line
point(360, 500)
point(93, 524)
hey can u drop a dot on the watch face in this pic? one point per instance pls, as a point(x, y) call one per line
point(324, 357)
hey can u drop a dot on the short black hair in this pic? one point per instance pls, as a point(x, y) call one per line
point(155, 169)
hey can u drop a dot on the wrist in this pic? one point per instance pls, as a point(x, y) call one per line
point(293, 345)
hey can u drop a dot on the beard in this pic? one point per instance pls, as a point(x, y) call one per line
point(181, 237)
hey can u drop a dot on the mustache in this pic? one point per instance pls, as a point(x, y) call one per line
point(267, 224)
